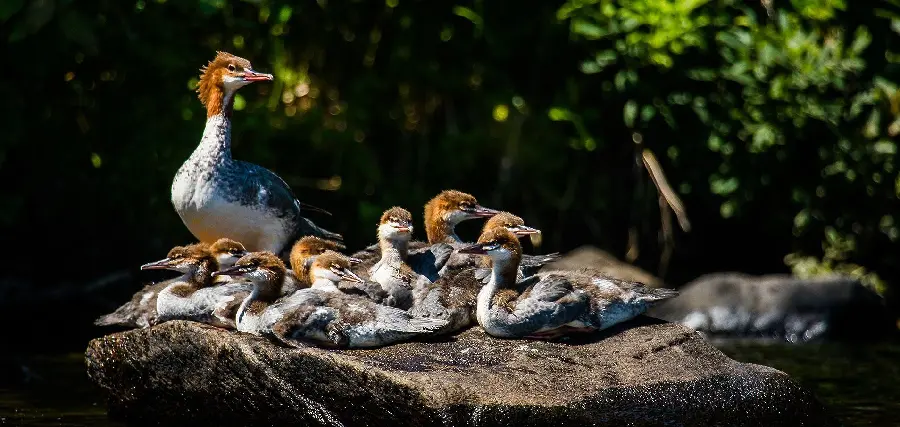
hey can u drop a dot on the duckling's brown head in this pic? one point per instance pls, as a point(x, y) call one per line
point(221, 78)
point(395, 224)
point(500, 244)
point(261, 268)
point(186, 259)
point(332, 266)
point(227, 251)
point(510, 222)
point(449, 208)
point(308, 247)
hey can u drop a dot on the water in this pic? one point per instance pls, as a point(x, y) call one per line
point(859, 383)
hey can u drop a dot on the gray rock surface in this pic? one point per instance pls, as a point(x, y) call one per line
point(642, 373)
point(780, 306)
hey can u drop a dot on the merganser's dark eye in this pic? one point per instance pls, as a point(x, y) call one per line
point(230, 67)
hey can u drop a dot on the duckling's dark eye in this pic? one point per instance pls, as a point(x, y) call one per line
point(230, 67)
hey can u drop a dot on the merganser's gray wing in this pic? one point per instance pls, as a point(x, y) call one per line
point(262, 187)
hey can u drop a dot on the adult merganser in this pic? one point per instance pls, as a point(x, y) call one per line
point(140, 311)
point(320, 314)
point(217, 196)
point(193, 296)
point(551, 304)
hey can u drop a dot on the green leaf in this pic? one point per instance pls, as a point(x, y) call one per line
point(885, 147)
point(723, 187)
point(558, 114)
point(629, 113)
point(469, 14)
point(647, 113)
point(587, 29)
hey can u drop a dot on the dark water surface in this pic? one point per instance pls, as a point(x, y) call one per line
point(859, 383)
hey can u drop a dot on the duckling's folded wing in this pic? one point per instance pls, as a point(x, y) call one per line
point(544, 303)
point(428, 261)
point(530, 264)
point(396, 320)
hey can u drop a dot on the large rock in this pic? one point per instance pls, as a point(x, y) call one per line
point(641, 373)
point(780, 306)
point(604, 262)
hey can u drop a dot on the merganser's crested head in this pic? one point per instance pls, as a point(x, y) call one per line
point(334, 267)
point(395, 224)
point(186, 259)
point(449, 208)
point(227, 252)
point(500, 244)
point(511, 223)
point(224, 75)
point(261, 268)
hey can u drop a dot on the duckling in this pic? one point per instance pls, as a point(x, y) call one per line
point(442, 213)
point(446, 210)
point(192, 297)
point(227, 252)
point(391, 271)
point(452, 296)
point(319, 314)
point(140, 311)
point(555, 303)
point(306, 250)
point(530, 263)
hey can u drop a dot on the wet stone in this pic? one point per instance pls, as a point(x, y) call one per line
point(642, 373)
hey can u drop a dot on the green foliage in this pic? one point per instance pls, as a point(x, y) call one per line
point(837, 250)
point(796, 99)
